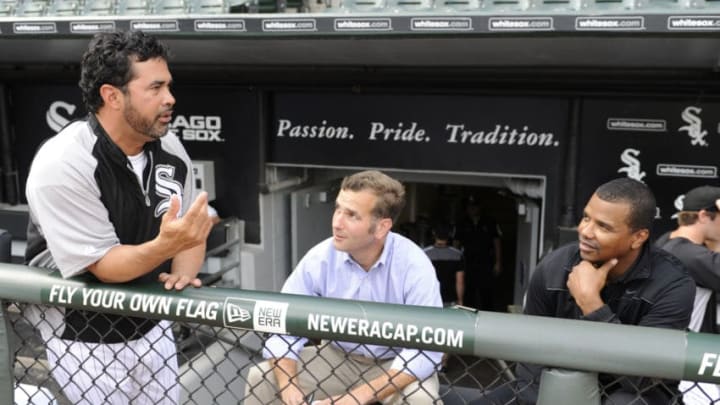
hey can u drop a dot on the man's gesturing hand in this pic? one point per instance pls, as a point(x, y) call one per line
point(181, 233)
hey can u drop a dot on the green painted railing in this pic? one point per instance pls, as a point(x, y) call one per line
point(579, 345)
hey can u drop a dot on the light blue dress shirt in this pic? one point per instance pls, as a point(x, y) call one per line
point(402, 275)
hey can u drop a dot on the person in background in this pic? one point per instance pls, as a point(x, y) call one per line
point(479, 238)
point(111, 197)
point(363, 260)
point(698, 227)
point(449, 267)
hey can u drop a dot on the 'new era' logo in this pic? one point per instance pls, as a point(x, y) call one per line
point(235, 313)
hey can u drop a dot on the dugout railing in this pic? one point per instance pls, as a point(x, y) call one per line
point(225, 329)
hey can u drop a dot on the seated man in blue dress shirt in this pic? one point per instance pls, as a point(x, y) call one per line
point(363, 260)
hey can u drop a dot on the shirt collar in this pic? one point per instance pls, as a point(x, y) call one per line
point(639, 270)
point(384, 256)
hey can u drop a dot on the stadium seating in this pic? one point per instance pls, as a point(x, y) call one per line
point(202, 7)
point(458, 5)
point(31, 9)
point(66, 8)
point(410, 5)
point(133, 7)
point(98, 7)
point(170, 7)
point(363, 5)
point(7, 9)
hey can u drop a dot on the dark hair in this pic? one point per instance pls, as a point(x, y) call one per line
point(637, 195)
point(687, 218)
point(441, 231)
point(109, 60)
point(390, 193)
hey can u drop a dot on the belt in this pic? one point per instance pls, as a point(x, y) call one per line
point(357, 357)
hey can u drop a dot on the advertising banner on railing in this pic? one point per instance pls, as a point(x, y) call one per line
point(420, 132)
point(368, 322)
point(570, 344)
point(671, 145)
point(217, 124)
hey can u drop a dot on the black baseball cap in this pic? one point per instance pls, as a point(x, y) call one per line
point(701, 198)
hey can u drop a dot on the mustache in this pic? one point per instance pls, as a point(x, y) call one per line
point(588, 242)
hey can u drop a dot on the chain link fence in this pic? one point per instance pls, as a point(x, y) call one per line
point(218, 365)
point(213, 365)
point(205, 346)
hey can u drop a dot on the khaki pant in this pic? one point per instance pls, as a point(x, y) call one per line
point(326, 371)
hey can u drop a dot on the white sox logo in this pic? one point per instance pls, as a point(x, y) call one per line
point(691, 115)
point(54, 119)
point(166, 186)
point(679, 203)
point(632, 168)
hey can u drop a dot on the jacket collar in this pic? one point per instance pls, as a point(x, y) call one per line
point(115, 152)
point(641, 269)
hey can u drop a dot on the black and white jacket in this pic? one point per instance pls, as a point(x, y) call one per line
point(84, 199)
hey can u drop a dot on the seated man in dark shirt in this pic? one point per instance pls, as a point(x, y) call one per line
point(610, 275)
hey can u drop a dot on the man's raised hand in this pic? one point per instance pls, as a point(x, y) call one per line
point(189, 230)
